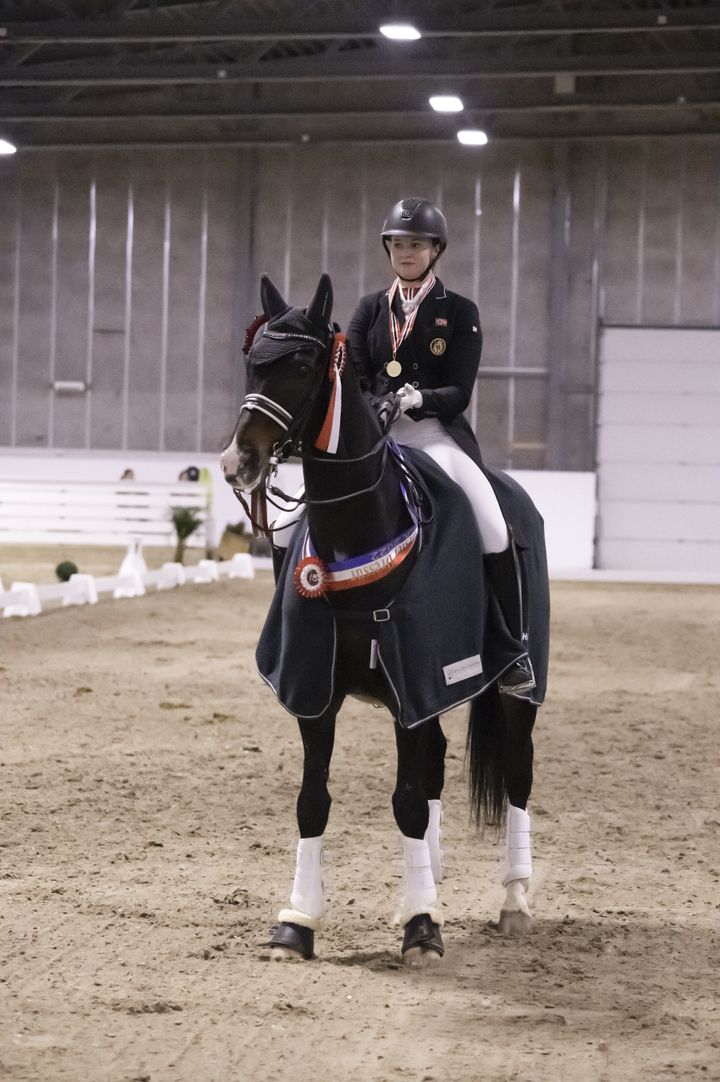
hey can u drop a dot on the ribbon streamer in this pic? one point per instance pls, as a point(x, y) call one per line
point(329, 436)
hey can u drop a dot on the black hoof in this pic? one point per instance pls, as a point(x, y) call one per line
point(295, 938)
point(421, 931)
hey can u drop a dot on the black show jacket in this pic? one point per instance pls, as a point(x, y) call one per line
point(440, 357)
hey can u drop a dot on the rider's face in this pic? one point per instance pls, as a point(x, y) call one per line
point(411, 256)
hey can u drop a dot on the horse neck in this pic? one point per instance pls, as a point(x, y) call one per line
point(357, 525)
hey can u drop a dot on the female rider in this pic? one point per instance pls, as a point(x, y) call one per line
point(422, 342)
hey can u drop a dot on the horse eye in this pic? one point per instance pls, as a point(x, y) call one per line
point(304, 370)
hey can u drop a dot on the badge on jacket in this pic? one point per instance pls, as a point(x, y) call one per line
point(440, 322)
point(438, 346)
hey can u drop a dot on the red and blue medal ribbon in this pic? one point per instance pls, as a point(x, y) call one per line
point(398, 334)
point(313, 577)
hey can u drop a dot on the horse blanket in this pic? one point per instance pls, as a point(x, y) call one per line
point(440, 640)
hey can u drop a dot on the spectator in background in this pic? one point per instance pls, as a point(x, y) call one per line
point(128, 475)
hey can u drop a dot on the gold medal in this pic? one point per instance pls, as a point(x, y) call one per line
point(393, 368)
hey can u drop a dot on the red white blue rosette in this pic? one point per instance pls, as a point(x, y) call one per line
point(310, 577)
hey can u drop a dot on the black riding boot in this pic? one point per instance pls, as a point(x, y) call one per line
point(503, 579)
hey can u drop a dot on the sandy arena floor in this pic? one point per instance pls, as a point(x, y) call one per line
point(147, 790)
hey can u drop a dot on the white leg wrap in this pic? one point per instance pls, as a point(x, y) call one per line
point(308, 892)
point(419, 890)
point(517, 861)
point(433, 836)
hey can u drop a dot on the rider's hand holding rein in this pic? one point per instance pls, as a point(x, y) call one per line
point(409, 398)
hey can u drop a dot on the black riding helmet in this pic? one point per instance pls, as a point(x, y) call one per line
point(416, 217)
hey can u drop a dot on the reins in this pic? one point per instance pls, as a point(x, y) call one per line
point(259, 498)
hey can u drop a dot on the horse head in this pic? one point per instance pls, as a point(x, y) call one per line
point(285, 372)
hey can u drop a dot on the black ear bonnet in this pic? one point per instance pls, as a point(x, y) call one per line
point(289, 332)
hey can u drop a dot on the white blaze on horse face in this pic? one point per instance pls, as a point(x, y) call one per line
point(242, 466)
point(230, 459)
point(244, 459)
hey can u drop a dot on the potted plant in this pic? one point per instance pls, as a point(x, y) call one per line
point(186, 521)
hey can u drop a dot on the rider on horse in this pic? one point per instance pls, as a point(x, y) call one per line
point(421, 342)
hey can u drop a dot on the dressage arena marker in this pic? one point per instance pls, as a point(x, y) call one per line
point(26, 599)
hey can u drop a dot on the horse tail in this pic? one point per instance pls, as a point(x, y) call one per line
point(486, 757)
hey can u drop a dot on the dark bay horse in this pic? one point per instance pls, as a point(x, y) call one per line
point(357, 555)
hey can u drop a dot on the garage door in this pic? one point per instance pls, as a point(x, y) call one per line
point(659, 449)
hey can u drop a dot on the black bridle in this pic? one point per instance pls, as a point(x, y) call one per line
point(293, 426)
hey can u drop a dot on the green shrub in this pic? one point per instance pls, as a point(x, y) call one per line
point(65, 569)
point(186, 521)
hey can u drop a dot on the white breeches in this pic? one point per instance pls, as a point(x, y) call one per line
point(284, 525)
point(429, 436)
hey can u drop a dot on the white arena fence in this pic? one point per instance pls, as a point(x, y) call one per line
point(27, 599)
point(97, 512)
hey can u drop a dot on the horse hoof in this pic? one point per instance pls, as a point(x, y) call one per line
point(291, 941)
point(282, 954)
point(514, 923)
point(422, 943)
point(421, 958)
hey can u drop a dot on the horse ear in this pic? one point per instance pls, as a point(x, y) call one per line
point(320, 308)
point(273, 303)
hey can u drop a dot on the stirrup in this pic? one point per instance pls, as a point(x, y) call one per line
point(518, 678)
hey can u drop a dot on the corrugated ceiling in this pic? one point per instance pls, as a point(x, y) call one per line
point(127, 72)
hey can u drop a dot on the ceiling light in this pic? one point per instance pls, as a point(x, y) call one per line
point(400, 32)
point(7, 148)
point(472, 137)
point(446, 103)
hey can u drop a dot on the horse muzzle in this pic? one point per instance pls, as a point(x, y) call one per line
point(242, 467)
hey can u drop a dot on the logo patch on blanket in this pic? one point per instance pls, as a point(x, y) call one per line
point(462, 670)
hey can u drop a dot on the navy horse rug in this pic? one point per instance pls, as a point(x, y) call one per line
point(441, 640)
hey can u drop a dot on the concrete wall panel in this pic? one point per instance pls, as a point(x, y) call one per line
point(662, 276)
point(700, 236)
point(9, 229)
point(74, 290)
point(147, 360)
point(624, 240)
point(141, 271)
point(34, 312)
point(111, 180)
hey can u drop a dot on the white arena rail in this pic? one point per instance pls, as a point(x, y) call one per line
point(26, 598)
point(96, 513)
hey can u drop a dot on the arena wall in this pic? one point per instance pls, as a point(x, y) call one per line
point(566, 500)
point(131, 276)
